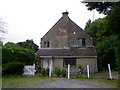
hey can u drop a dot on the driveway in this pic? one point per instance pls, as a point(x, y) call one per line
point(73, 83)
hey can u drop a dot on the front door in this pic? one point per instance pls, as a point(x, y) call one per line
point(47, 63)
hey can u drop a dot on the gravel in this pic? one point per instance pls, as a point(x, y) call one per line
point(72, 83)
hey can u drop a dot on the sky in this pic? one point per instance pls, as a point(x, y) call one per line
point(31, 19)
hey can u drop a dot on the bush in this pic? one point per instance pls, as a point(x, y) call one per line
point(63, 72)
point(39, 68)
point(12, 68)
point(17, 55)
point(45, 72)
point(57, 71)
point(79, 66)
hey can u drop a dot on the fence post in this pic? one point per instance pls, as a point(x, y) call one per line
point(88, 71)
point(68, 71)
point(110, 74)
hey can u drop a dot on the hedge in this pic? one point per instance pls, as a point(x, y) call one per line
point(14, 59)
point(17, 55)
point(12, 68)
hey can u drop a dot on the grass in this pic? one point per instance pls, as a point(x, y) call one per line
point(24, 81)
point(38, 81)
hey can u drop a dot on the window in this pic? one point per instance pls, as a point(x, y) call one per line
point(46, 44)
point(81, 41)
point(71, 61)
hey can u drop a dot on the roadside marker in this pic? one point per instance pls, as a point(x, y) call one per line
point(88, 73)
point(110, 74)
point(68, 71)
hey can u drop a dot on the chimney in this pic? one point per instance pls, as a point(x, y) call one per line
point(65, 14)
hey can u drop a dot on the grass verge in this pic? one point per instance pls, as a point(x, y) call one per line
point(113, 82)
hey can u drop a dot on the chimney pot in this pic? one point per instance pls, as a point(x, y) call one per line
point(65, 13)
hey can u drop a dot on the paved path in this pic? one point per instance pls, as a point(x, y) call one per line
point(72, 83)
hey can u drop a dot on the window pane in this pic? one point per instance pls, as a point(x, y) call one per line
point(81, 41)
point(71, 61)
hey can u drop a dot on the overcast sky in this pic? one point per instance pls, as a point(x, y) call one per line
point(31, 19)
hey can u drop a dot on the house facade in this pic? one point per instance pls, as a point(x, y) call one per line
point(66, 43)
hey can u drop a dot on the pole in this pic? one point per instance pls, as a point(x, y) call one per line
point(68, 71)
point(50, 70)
point(88, 72)
point(110, 74)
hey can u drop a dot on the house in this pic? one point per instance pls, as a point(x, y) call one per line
point(66, 43)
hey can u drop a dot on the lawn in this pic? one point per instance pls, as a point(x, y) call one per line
point(24, 81)
point(38, 81)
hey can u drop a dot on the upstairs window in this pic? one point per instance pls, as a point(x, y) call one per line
point(71, 61)
point(46, 44)
point(81, 42)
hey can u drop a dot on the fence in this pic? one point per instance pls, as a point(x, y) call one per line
point(29, 70)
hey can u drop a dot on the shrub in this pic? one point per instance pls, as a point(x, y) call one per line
point(17, 55)
point(12, 68)
point(45, 72)
point(79, 66)
point(57, 71)
point(39, 68)
point(63, 72)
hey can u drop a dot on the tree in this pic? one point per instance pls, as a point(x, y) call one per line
point(113, 19)
point(107, 36)
point(106, 50)
point(97, 30)
point(88, 24)
point(101, 7)
point(11, 45)
point(29, 44)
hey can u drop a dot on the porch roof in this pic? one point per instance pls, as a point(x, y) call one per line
point(68, 52)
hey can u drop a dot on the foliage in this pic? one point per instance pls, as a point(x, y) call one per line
point(57, 71)
point(13, 68)
point(113, 19)
point(101, 7)
point(88, 24)
point(11, 45)
point(106, 52)
point(39, 68)
point(45, 72)
point(105, 33)
point(79, 66)
point(17, 54)
point(63, 72)
point(117, 53)
point(29, 44)
point(97, 30)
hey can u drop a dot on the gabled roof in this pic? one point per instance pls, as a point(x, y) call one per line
point(68, 52)
point(66, 22)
